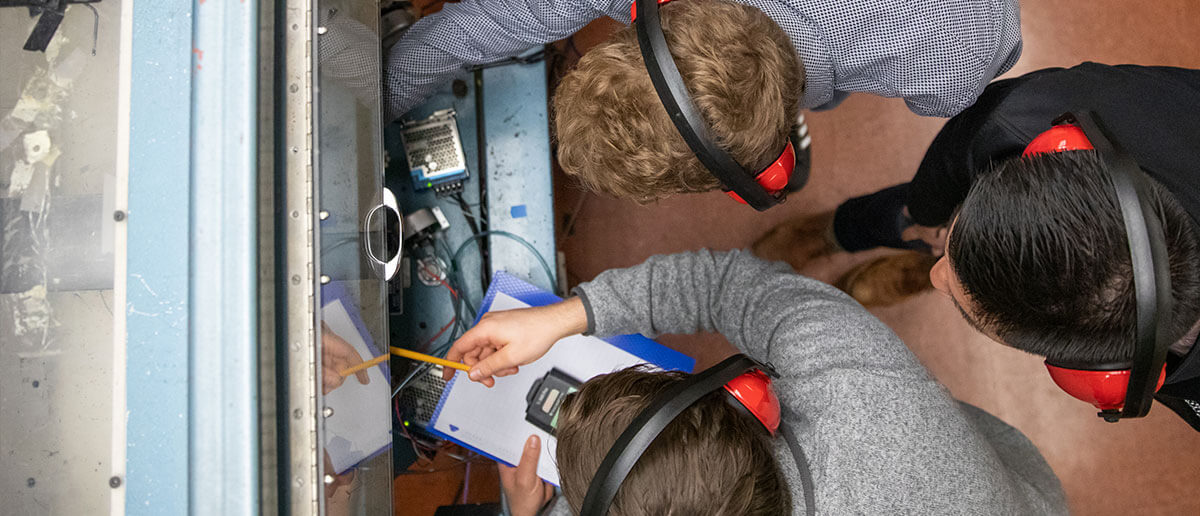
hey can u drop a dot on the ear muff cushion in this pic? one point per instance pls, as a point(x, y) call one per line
point(777, 175)
point(1103, 389)
point(1060, 138)
point(753, 391)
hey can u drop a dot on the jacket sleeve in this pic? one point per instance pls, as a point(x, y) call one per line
point(757, 305)
point(476, 32)
point(881, 435)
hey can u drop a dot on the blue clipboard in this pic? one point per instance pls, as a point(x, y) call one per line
point(635, 344)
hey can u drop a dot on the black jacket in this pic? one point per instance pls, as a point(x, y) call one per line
point(1153, 111)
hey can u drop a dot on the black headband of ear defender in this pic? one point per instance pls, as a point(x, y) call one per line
point(686, 116)
point(1148, 259)
point(644, 428)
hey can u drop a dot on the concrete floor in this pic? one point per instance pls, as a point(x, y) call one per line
point(1147, 466)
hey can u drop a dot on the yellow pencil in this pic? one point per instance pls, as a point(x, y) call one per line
point(406, 354)
point(372, 362)
point(428, 358)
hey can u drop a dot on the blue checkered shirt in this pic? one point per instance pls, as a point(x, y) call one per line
point(937, 55)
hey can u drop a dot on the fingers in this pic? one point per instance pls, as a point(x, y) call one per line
point(526, 471)
point(488, 366)
point(473, 339)
point(330, 381)
point(363, 377)
point(466, 349)
point(508, 476)
point(527, 494)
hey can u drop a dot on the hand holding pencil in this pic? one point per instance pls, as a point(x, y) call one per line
point(337, 355)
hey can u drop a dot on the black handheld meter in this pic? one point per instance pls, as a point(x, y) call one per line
point(546, 396)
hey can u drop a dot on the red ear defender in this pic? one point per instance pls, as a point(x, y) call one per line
point(753, 391)
point(1103, 389)
point(1060, 138)
point(776, 176)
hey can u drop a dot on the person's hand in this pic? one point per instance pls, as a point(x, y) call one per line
point(503, 341)
point(527, 493)
point(337, 355)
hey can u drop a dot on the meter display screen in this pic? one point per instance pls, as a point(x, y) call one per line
point(545, 398)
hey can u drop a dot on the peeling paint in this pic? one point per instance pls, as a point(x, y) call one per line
point(31, 311)
point(144, 284)
point(22, 174)
point(34, 120)
point(26, 109)
point(37, 145)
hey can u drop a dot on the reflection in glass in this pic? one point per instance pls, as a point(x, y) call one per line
point(356, 425)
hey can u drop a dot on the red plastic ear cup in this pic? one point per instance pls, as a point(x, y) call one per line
point(633, 9)
point(1060, 138)
point(777, 175)
point(753, 391)
point(1103, 389)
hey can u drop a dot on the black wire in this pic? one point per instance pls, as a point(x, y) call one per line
point(481, 155)
point(466, 210)
point(472, 222)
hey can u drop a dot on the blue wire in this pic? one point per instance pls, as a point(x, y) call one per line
point(518, 239)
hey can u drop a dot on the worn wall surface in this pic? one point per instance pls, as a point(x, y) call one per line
point(58, 125)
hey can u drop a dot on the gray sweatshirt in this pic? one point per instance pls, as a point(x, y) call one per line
point(880, 435)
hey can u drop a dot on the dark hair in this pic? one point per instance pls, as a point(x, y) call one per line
point(712, 459)
point(1039, 247)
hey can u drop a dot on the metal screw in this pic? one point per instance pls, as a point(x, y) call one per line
point(295, 214)
point(299, 482)
point(35, 384)
point(118, 215)
point(329, 479)
point(114, 482)
point(295, 279)
point(325, 279)
point(328, 411)
point(298, 413)
point(30, 482)
point(294, 88)
point(322, 30)
point(324, 214)
point(295, 150)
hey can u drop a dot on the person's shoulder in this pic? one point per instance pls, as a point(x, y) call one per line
point(1088, 75)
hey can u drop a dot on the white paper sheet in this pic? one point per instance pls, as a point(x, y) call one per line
point(493, 420)
point(361, 423)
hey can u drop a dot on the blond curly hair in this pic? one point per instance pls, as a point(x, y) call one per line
point(741, 71)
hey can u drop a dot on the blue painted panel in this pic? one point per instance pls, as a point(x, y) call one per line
point(520, 191)
point(427, 309)
point(517, 185)
point(223, 337)
point(157, 304)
